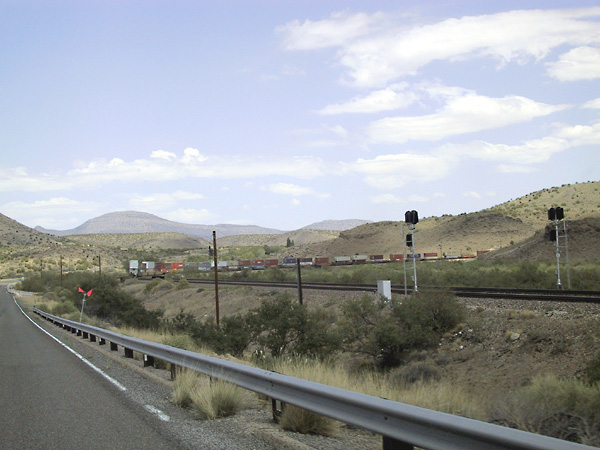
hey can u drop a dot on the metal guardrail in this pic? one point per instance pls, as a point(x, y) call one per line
point(402, 426)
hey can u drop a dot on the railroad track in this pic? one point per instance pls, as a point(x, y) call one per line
point(559, 295)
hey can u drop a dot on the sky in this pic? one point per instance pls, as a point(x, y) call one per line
point(283, 113)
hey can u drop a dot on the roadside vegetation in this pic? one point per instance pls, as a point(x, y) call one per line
point(370, 345)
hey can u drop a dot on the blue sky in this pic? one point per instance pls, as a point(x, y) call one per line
point(281, 113)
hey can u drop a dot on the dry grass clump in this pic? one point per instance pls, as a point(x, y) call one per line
point(565, 409)
point(302, 421)
point(209, 398)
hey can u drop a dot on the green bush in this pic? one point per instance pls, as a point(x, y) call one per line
point(283, 326)
point(387, 331)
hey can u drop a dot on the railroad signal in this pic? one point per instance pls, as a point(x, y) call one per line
point(409, 241)
point(411, 217)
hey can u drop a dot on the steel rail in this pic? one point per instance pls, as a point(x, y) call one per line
point(573, 296)
point(404, 425)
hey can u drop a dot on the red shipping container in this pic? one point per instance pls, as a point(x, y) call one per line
point(396, 257)
point(271, 262)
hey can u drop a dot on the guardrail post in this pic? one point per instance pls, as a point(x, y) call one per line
point(92, 338)
point(277, 411)
point(393, 444)
point(85, 335)
point(128, 353)
point(114, 347)
point(174, 369)
point(102, 341)
point(148, 361)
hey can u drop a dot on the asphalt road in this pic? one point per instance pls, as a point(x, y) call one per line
point(49, 399)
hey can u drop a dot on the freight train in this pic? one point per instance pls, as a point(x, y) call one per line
point(151, 268)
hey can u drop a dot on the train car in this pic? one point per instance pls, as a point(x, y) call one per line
point(204, 266)
point(359, 259)
point(177, 267)
point(430, 256)
point(271, 263)
point(321, 261)
point(233, 265)
point(376, 259)
point(396, 257)
point(288, 262)
point(306, 261)
point(245, 264)
point(257, 264)
point(341, 261)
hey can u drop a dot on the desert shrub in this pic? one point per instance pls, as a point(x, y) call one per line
point(180, 340)
point(303, 421)
point(63, 308)
point(565, 409)
point(283, 326)
point(592, 370)
point(418, 371)
point(151, 285)
point(183, 284)
point(232, 336)
point(387, 331)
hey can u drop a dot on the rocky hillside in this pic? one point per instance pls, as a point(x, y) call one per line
point(299, 237)
point(578, 200)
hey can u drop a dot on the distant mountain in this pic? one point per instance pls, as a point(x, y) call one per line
point(336, 225)
point(140, 222)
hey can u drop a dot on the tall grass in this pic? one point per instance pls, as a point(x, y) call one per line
point(565, 409)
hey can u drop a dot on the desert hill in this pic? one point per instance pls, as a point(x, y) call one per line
point(501, 226)
point(583, 244)
point(578, 200)
point(336, 225)
point(142, 241)
point(139, 222)
point(299, 237)
point(15, 233)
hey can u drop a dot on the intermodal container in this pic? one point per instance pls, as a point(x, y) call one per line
point(359, 259)
point(430, 256)
point(376, 258)
point(396, 257)
point(271, 262)
point(322, 261)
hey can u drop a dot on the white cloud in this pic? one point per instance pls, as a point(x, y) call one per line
point(592, 104)
point(393, 97)
point(462, 114)
point(385, 198)
point(193, 216)
point(161, 201)
point(396, 170)
point(379, 48)
point(582, 63)
point(52, 213)
point(507, 168)
point(472, 194)
point(161, 154)
point(289, 189)
point(335, 31)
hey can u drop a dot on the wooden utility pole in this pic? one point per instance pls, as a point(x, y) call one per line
point(216, 275)
point(61, 270)
point(299, 280)
point(99, 266)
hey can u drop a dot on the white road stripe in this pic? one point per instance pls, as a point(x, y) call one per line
point(161, 415)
